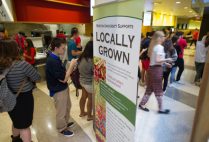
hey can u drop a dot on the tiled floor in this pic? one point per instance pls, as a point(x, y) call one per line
point(150, 127)
point(44, 121)
point(153, 127)
point(85, 125)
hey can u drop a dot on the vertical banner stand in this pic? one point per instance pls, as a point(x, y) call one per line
point(117, 38)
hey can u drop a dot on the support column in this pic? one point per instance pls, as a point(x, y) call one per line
point(205, 22)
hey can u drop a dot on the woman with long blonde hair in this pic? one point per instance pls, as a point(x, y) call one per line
point(155, 72)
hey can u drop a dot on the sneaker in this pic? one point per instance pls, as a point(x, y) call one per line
point(143, 108)
point(70, 125)
point(164, 92)
point(180, 82)
point(166, 111)
point(171, 85)
point(67, 133)
point(90, 118)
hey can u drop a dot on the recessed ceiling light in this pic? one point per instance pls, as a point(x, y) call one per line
point(178, 2)
point(190, 11)
point(185, 7)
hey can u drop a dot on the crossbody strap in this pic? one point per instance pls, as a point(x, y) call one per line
point(6, 71)
point(22, 86)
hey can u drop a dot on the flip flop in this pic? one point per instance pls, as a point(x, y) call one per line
point(82, 115)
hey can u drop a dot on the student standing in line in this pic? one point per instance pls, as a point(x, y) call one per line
point(85, 66)
point(20, 74)
point(78, 43)
point(61, 35)
point(63, 57)
point(200, 58)
point(73, 51)
point(30, 52)
point(178, 51)
point(20, 39)
point(155, 72)
point(170, 52)
point(180, 61)
point(59, 90)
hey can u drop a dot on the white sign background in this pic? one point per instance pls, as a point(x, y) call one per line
point(128, 87)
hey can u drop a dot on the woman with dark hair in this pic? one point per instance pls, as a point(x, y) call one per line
point(85, 66)
point(170, 52)
point(155, 72)
point(144, 57)
point(180, 61)
point(20, 74)
point(174, 67)
point(30, 52)
point(20, 39)
point(72, 50)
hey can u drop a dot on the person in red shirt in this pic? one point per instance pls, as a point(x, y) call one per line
point(180, 61)
point(195, 36)
point(61, 35)
point(20, 39)
point(29, 52)
point(78, 43)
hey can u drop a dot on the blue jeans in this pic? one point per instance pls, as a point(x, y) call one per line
point(173, 72)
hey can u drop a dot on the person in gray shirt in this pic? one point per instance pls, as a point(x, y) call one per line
point(85, 66)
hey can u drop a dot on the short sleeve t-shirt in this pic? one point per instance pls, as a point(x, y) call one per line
point(32, 55)
point(183, 44)
point(86, 71)
point(195, 35)
point(158, 50)
point(201, 52)
point(78, 40)
point(71, 46)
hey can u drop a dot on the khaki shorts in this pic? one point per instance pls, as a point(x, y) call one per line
point(88, 88)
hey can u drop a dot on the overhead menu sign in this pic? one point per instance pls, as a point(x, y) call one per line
point(117, 37)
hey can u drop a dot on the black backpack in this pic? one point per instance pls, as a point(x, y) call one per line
point(75, 76)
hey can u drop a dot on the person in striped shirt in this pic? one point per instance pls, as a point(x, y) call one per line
point(20, 73)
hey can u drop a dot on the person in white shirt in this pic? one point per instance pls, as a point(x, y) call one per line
point(200, 57)
point(155, 72)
